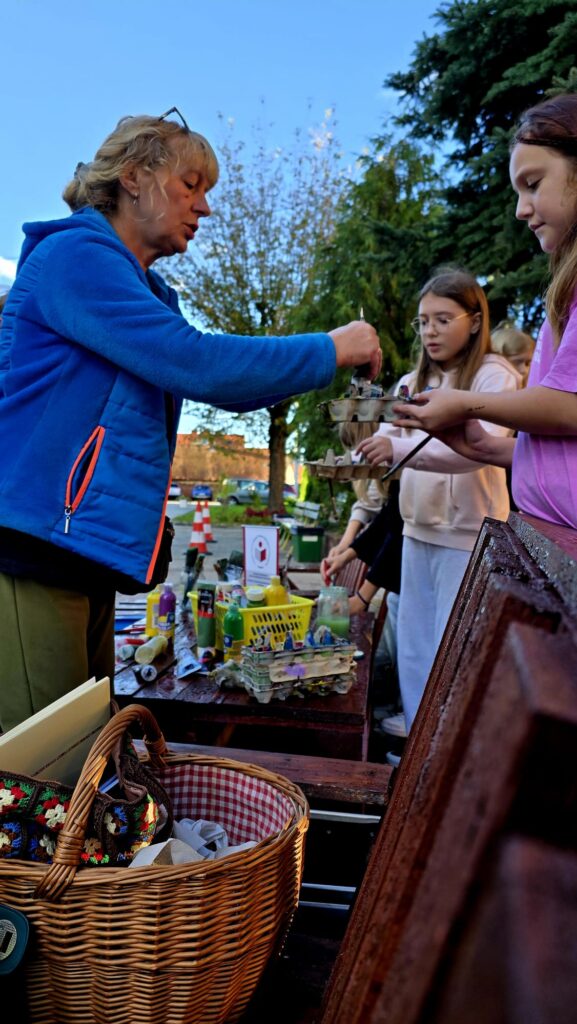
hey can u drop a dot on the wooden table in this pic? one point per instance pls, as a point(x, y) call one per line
point(195, 709)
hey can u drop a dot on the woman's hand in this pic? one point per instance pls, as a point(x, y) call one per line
point(435, 410)
point(377, 450)
point(357, 344)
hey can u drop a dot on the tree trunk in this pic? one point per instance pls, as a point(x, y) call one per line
point(277, 437)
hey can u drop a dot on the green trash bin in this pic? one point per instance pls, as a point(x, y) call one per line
point(307, 542)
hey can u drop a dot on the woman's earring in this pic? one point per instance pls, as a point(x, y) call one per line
point(135, 199)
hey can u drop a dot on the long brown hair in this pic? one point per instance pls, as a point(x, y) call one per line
point(464, 289)
point(553, 124)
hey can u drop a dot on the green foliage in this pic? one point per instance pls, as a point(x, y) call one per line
point(250, 265)
point(465, 89)
point(232, 515)
point(378, 256)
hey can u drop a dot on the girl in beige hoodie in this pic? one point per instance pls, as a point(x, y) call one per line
point(444, 497)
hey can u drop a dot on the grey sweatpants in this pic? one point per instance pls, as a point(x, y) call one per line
point(430, 579)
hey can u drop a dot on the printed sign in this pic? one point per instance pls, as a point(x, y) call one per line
point(261, 554)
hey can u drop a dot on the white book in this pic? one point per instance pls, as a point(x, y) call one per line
point(54, 743)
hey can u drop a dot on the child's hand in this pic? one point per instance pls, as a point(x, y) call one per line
point(436, 410)
point(377, 450)
point(330, 566)
point(474, 442)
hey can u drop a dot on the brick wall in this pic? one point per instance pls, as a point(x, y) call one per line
point(201, 460)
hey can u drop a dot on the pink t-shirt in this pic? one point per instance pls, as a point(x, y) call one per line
point(545, 468)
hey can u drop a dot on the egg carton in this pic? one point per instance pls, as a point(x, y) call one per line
point(303, 671)
point(342, 467)
point(307, 688)
point(358, 409)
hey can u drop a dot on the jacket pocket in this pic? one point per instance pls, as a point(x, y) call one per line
point(81, 474)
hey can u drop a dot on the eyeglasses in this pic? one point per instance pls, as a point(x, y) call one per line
point(174, 110)
point(441, 323)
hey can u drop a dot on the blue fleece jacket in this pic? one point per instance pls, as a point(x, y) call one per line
point(89, 348)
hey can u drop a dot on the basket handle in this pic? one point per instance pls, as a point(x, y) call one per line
point(61, 872)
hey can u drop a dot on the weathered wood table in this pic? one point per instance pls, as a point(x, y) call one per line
point(195, 709)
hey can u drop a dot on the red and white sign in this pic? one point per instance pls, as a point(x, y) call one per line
point(261, 554)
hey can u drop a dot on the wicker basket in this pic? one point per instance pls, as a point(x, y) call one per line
point(177, 944)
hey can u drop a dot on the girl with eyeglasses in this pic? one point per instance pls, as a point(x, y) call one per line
point(543, 169)
point(444, 496)
point(96, 360)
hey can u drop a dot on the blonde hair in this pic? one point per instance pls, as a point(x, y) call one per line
point(508, 340)
point(362, 487)
point(351, 434)
point(465, 290)
point(553, 124)
point(142, 141)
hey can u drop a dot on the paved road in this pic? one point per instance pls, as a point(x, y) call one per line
point(226, 539)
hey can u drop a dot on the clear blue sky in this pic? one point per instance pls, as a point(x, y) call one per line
point(70, 70)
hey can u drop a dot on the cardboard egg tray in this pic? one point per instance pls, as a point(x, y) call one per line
point(303, 671)
point(338, 468)
point(357, 409)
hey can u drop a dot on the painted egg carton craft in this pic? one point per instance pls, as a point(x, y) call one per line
point(365, 403)
point(342, 467)
point(361, 410)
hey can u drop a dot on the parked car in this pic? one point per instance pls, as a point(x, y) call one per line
point(201, 492)
point(249, 491)
point(174, 491)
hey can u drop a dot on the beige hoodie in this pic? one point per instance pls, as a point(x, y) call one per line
point(444, 497)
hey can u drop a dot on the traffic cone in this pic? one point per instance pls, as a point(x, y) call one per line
point(206, 523)
point(197, 537)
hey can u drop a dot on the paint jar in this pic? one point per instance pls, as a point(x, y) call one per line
point(333, 610)
point(255, 597)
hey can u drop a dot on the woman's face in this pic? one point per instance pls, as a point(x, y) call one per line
point(547, 196)
point(170, 205)
point(445, 329)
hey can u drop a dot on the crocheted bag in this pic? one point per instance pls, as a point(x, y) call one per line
point(136, 810)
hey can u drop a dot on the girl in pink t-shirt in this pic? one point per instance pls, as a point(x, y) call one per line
point(543, 170)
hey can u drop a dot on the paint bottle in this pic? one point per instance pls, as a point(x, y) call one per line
point(275, 593)
point(150, 650)
point(205, 614)
point(151, 628)
point(233, 633)
point(167, 611)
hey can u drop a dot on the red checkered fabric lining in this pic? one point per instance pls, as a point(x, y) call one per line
point(246, 807)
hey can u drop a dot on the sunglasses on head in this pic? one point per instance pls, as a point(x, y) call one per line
point(174, 110)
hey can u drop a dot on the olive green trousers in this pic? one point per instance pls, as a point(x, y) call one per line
point(51, 640)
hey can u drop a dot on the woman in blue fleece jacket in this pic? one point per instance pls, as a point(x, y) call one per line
point(95, 360)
